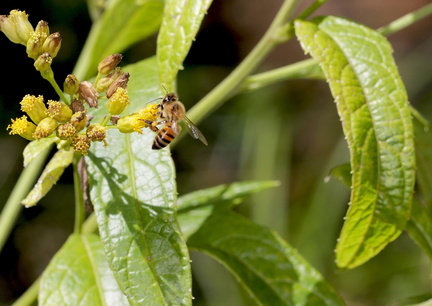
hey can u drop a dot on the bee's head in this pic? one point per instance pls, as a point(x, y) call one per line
point(170, 97)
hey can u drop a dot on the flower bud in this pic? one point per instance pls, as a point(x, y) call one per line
point(121, 81)
point(118, 101)
point(109, 63)
point(77, 106)
point(45, 128)
point(59, 111)
point(104, 83)
point(7, 26)
point(88, 93)
point(34, 107)
point(23, 127)
point(66, 131)
point(22, 25)
point(81, 143)
point(43, 62)
point(96, 132)
point(42, 29)
point(71, 85)
point(34, 45)
point(79, 120)
point(52, 44)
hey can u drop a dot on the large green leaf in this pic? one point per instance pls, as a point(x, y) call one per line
point(123, 23)
point(270, 270)
point(195, 207)
point(374, 110)
point(36, 147)
point(134, 192)
point(180, 24)
point(50, 175)
point(79, 274)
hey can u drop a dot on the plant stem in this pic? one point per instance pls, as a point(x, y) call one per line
point(13, 207)
point(49, 76)
point(406, 20)
point(79, 200)
point(229, 85)
point(305, 69)
point(312, 8)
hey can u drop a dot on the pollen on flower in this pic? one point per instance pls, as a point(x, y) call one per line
point(58, 111)
point(96, 132)
point(149, 113)
point(23, 127)
point(45, 128)
point(130, 124)
point(34, 107)
point(81, 143)
point(118, 101)
point(66, 131)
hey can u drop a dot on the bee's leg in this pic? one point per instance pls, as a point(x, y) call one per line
point(153, 124)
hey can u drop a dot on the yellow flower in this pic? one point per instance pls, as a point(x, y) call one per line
point(118, 101)
point(45, 128)
point(81, 143)
point(97, 132)
point(138, 120)
point(16, 27)
point(23, 127)
point(34, 107)
point(43, 62)
point(66, 131)
point(58, 111)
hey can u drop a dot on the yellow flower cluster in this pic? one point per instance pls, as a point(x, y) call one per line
point(68, 119)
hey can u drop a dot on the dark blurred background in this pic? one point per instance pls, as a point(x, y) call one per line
point(288, 131)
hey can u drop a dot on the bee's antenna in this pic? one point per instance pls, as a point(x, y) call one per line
point(155, 100)
point(166, 91)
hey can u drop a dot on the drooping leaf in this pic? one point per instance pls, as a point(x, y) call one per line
point(195, 207)
point(34, 148)
point(269, 269)
point(79, 274)
point(134, 192)
point(180, 24)
point(374, 110)
point(51, 174)
point(122, 24)
point(419, 227)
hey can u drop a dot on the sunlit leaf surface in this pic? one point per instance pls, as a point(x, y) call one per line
point(374, 110)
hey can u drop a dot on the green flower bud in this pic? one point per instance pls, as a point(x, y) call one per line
point(43, 62)
point(71, 85)
point(22, 25)
point(79, 120)
point(52, 44)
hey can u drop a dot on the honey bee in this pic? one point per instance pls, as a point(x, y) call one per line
point(172, 111)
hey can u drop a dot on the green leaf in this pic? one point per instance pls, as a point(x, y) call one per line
point(270, 270)
point(342, 173)
point(35, 147)
point(419, 227)
point(374, 110)
point(51, 174)
point(195, 207)
point(124, 23)
point(79, 274)
point(134, 192)
point(180, 24)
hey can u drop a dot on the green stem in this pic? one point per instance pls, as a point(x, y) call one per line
point(406, 20)
point(13, 207)
point(230, 84)
point(79, 200)
point(49, 76)
point(305, 69)
point(312, 8)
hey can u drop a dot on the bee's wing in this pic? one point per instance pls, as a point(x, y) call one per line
point(175, 127)
point(193, 130)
